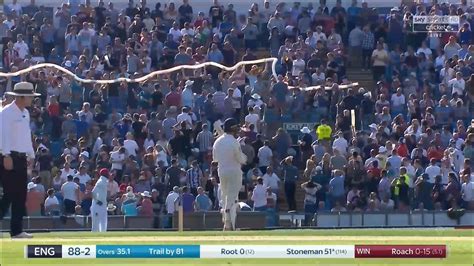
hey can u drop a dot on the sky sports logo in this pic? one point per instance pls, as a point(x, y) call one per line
point(436, 23)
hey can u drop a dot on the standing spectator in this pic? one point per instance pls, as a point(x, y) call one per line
point(379, 61)
point(82, 175)
point(290, 175)
point(368, 42)
point(21, 47)
point(51, 204)
point(433, 170)
point(457, 84)
point(34, 198)
point(259, 196)
point(194, 176)
point(71, 195)
point(401, 192)
point(467, 192)
point(251, 32)
point(336, 187)
point(271, 180)
point(265, 157)
point(185, 12)
point(188, 200)
point(131, 145)
point(173, 174)
point(117, 159)
point(310, 199)
point(216, 13)
point(205, 140)
point(146, 205)
point(203, 202)
point(451, 48)
point(129, 204)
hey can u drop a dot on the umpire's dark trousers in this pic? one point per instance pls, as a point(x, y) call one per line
point(14, 191)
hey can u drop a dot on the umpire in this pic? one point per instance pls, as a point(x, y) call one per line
point(16, 148)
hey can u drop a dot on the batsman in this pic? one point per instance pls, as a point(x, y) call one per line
point(229, 157)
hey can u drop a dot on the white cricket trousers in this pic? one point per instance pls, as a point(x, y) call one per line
point(231, 183)
point(99, 217)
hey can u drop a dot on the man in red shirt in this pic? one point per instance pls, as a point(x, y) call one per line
point(146, 206)
point(173, 98)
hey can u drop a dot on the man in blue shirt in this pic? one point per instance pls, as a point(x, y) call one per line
point(203, 202)
point(187, 200)
point(81, 126)
point(336, 187)
point(215, 55)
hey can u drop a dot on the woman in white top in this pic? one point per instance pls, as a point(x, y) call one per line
point(149, 141)
point(67, 171)
point(298, 65)
point(161, 155)
point(58, 181)
point(51, 203)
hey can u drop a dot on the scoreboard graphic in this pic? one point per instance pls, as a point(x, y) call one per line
point(234, 251)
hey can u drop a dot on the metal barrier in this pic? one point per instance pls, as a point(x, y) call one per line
point(389, 219)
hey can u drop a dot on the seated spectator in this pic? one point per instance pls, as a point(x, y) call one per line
point(34, 200)
point(129, 204)
point(338, 207)
point(146, 205)
point(51, 204)
point(387, 204)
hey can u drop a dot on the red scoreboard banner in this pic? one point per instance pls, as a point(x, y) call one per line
point(400, 251)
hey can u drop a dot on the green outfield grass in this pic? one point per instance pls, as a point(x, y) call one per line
point(460, 245)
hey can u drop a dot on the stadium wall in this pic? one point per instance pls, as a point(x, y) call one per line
point(253, 220)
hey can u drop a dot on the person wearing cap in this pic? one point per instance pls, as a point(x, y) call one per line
point(305, 141)
point(146, 205)
point(230, 158)
point(99, 202)
point(129, 203)
point(34, 198)
point(17, 149)
point(255, 101)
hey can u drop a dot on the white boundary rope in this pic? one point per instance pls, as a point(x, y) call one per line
point(146, 77)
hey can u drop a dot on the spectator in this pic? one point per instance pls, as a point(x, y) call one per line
point(203, 202)
point(290, 177)
point(310, 199)
point(71, 195)
point(188, 200)
point(129, 204)
point(34, 198)
point(336, 187)
point(171, 199)
point(51, 204)
point(146, 205)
